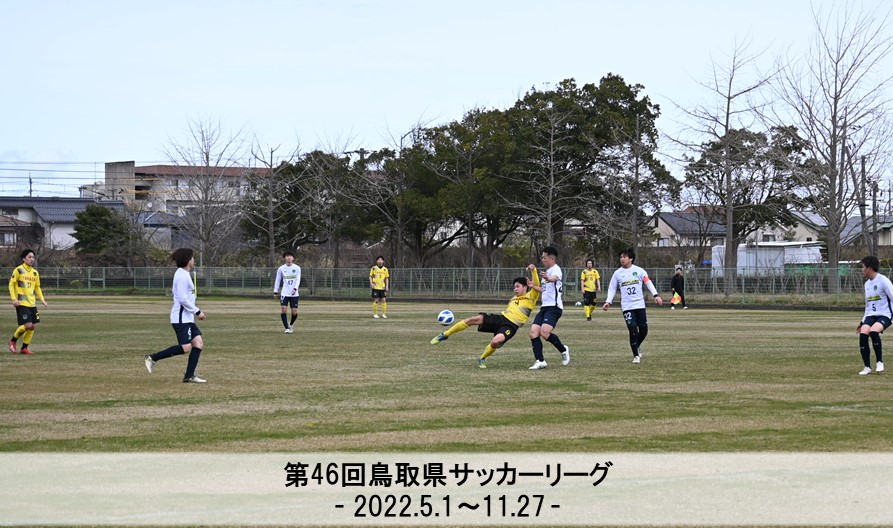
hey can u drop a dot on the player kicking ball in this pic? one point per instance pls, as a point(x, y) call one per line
point(503, 325)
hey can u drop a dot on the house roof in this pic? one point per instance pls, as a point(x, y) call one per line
point(693, 224)
point(56, 210)
point(191, 170)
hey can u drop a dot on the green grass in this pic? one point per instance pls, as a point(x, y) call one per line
point(711, 380)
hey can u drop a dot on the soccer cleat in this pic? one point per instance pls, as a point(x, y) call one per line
point(672, 307)
point(438, 339)
point(865, 371)
point(383, 316)
point(566, 356)
point(12, 346)
point(375, 316)
point(150, 363)
point(879, 367)
point(481, 363)
point(26, 350)
point(537, 365)
point(685, 307)
point(289, 330)
point(589, 318)
point(641, 352)
point(193, 379)
point(637, 359)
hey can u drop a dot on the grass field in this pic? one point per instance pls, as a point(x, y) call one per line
point(711, 380)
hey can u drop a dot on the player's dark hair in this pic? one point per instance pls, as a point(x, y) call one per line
point(550, 250)
point(590, 260)
point(520, 280)
point(871, 262)
point(288, 254)
point(25, 253)
point(379, 257)
point(182, 256)
point(629, 252)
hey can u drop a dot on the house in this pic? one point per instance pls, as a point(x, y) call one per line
point(48, 222)
point(693, 227)
point(170, 188)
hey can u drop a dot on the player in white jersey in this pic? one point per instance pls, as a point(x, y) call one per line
point(183, 315)
point(878, 314)
point(550, 312)
point(288, 277)
point(632, 280)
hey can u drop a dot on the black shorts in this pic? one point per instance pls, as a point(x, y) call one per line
point(186, 332)
point(27, 314)
point(289, 301)
point(498, 324)
point(589, 298)
point(635, 317)
point(379, 294)
point(883, 319)
point(548, 315)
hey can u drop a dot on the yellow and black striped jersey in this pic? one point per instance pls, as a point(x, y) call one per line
point(24, 286)
point(521, 306)
point(378, 276)
point(589, 278)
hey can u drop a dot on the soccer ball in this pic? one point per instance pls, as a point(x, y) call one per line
point(445, 318)
point(578, 303)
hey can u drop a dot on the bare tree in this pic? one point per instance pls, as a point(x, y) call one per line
point(731, 86)
point(837, 96)
point(211, 180)
point(265, 205)
point(550, 174)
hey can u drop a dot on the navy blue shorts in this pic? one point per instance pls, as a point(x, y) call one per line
point(548, 315)
point(379, 294)
point(186, 332)
point(635, 317)
point(883, 319)
point(289, 301)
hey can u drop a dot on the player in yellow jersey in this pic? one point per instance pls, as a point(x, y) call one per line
point(590, 285)
point(504, 325)
point(380, 282)
point(24, 289)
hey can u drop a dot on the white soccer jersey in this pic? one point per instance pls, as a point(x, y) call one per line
point(631, 282)
point(552, 290)
point(878, 296)
point(184, 308)
point(289, 277)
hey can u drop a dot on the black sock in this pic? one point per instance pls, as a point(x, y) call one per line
point(294, 318)
point(13, 339)
point(556, 342)
point(876, 343)
point(863, 349)
point(537, 344)
point(193, 362)
point(634, 339)
point(171, 351)
point(284, 320)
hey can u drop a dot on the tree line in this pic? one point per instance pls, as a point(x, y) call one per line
point(578, 166)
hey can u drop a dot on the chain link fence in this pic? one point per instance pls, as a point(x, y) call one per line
point(796, 285)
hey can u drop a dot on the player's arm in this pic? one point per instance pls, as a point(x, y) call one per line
point(278, 282)
point(612, 290)
point(371, 283)
point(598, 284)
point(13, 280)
point(37, 291)
point(646, 280)
point(182, 294)
point(387, 283)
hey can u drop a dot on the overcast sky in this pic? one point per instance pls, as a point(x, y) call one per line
point(89, 81)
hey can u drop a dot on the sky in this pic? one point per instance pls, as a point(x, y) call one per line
point(93, 81)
